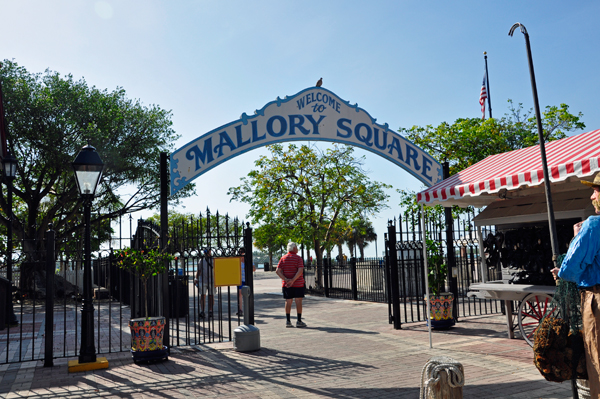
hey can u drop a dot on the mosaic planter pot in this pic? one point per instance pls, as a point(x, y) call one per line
point(147, 334)
point(441, 310)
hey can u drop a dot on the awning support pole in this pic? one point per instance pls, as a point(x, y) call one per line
point(425, 270)
point(483, 264)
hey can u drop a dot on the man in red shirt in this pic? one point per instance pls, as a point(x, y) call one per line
point(291, 271)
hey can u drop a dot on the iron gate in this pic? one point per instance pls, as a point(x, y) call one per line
point(371, 279)
point(118, 297)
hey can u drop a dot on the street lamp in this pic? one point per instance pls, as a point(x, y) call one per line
point(9, 164)
point(88, 169)
point(551, 221)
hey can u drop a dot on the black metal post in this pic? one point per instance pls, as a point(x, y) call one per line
point(353, 279)
point(326, 267)
point(12, 318)
point(487, 83)
point(164, 241)
point(551, 220)
point(249, 271)
point(50, 271)
point(87, 353)
point(388, 286)
point(393, 256)
point(450, 249)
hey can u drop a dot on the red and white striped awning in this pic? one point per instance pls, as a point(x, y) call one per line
point(479, 185)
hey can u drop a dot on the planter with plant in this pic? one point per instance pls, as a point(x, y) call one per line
point(146, 332)
point(440, 301)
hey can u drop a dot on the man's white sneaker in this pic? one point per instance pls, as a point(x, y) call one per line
point(288, 324)
point(300, 324)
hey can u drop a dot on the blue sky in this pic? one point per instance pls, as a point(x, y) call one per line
point(405, 62)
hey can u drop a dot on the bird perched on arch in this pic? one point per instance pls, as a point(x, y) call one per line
point(320, 82)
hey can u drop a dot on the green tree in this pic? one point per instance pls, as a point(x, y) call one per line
point(269, 238)
point(49, 119)
point(339, 236)
point(189, 232)
point(470, 140)
point(362, 234)
point(303, 193)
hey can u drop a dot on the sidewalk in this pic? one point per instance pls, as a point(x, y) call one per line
point(348, 351)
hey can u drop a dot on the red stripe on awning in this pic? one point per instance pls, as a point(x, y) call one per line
point(502, 171)
point(585, 166)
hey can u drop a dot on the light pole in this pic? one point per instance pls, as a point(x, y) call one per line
point(551, 221)
point(9, 164)
point(88, 169)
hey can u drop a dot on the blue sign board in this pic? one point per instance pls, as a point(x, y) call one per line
point(314, 114)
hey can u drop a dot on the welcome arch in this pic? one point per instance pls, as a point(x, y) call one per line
point(313, 114)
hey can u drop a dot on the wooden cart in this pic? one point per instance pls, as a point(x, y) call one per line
point(534, 302)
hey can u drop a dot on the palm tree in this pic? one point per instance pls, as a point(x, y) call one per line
point(360, 234)
point(365, 238)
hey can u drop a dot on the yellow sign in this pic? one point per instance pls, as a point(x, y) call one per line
point(228, 271)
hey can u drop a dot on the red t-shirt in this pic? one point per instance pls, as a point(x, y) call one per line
point(289, 265)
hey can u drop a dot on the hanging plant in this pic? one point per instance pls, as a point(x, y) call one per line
point(144, 263)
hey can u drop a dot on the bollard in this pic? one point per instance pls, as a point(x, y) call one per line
point(246, 337)
point(442, 378)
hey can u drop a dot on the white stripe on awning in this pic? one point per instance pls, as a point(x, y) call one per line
point(577, 155)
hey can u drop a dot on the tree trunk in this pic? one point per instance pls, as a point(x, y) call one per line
point(319, 268)
point(33, 264)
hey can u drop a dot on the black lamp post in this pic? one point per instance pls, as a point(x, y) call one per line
point(88, 169)
point(538, 117)
point(551, 221)
point(9, 164)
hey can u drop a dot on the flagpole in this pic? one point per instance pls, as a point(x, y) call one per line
point(487, 78)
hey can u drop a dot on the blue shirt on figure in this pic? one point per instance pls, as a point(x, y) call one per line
point(582, 262)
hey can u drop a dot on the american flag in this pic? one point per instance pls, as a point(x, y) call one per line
point(483, 97)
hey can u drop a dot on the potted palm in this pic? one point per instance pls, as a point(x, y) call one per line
point(441, 302)
point(146, 332)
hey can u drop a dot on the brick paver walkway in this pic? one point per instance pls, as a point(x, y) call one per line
point(348, 351)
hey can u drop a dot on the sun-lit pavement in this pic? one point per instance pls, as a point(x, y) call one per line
point(348, 351)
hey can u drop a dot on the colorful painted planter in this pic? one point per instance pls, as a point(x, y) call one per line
point(441, 310)
point(147, 334)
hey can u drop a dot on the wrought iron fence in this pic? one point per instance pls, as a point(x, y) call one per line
point(361, 279)
point(366, 279)
point(118, 296)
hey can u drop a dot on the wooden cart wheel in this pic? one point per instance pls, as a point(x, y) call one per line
point(531, 310)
